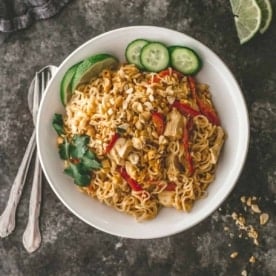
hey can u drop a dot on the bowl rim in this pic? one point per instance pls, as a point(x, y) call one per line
point(242, 155)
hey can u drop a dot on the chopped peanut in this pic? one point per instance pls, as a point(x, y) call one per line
point(264, 217)
point(234, 255)
point(252, 259)
point(255, 208)
point(59, 140)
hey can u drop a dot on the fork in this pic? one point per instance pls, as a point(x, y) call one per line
point(32, 236)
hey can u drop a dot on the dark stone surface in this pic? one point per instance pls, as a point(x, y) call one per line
point(69, 246)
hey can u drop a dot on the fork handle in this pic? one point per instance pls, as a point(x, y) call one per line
point(32, 236)
point(7, 219)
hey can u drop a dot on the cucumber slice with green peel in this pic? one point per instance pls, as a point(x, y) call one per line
point(66, 85)
point(91, 67)
point(133, 52)
point(155, 56)
point(185, 60)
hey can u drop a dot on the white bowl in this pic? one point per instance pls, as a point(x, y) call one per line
point(227, 98)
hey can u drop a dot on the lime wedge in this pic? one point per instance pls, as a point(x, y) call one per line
point(247, 15)
point(266, 10)
point(91, 67)
point(66, 84)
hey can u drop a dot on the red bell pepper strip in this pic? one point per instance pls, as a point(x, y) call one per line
point(204, 108)
point(192, 86)
point(170, 186)
point(190, 125)
point(134, 185)
point(159, 122)
point(112, 142)
point(209, 113)
point(185, 109)
point(188, 158)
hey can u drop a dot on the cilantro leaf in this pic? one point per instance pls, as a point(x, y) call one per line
point(90, 154)
point(64, 150)
point(57, 124)
point(76, 152)
point(80, 140)
point(78, 146)
point(87, 160)
point(81, 176)
point(90, 163)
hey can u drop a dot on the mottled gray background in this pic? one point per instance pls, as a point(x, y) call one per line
point(69, 246)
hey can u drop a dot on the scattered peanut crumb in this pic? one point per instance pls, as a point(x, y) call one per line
point(252, 259)
point(234, 215)
point(249, 202)
point(253, 234)
point(243, 199)
point(255, 208)
point(246, 230)
point(234, 255)
point(264, 217)
point(241, 223)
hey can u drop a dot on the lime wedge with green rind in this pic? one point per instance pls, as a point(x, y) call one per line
point(66, 84)
point(91, 67)
point(247, 18)
point(266, 10)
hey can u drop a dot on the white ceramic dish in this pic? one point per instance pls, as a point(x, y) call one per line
point(228, 100)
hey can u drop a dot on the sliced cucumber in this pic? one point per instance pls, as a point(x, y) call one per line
point(91, 67)
point(66, 85)
point(133, 52)
point(185, 60)
point(155, 57)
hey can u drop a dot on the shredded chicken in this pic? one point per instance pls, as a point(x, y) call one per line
point(166, 198)
point(172, 168)
point(121, 149)
point(174, 124)
point(215, 150)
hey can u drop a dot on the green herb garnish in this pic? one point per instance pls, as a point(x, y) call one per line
point(64, 150)
point(86, 160)
point(81, 160)
point(79, 173)
point(78, 146)
point(90, 161)
point(57, 124)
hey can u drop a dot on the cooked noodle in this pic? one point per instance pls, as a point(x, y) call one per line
point(125, 99)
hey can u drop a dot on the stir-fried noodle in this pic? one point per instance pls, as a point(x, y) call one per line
point(171, 161)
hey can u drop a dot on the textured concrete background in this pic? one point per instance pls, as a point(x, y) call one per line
point(69, 246)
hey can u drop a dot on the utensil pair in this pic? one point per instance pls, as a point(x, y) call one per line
point(31, 236)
